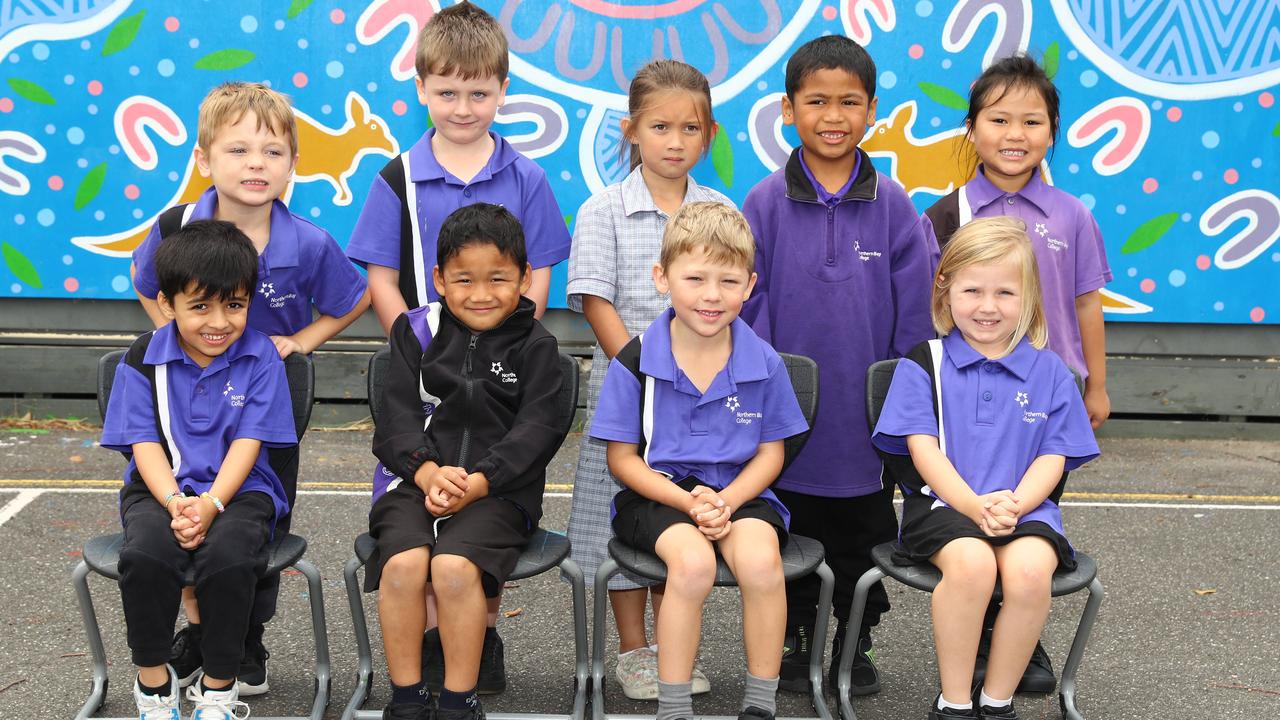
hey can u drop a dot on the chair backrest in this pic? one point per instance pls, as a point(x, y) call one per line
point(298, 369)
point(566, 401)
point(803, 372)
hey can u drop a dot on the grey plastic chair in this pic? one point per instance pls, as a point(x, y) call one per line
point(926, 577)
point(802, 556)
point(545, 550)
point(102, 554)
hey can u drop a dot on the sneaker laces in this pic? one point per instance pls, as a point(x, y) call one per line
point(216, 705)
point(156, 707)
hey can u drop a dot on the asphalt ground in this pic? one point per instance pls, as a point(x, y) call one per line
point(1185, 533)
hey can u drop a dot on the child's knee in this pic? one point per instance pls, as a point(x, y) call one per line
point(970, 565)
point(691, 569)
point(406, 571)
point(1028, 584)
point(452, 575)
point(760, 572)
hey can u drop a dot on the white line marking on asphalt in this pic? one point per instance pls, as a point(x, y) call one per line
point(14, 506)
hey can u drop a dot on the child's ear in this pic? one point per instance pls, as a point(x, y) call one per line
point(660, 279)
point(166, 305)
point(751, 285)
point(526, 279)
point(626, 123)
point(422, 91)
point(788, 112)
point(437, 279)
point(202, 161)
point(502, 92)
point(871, 111)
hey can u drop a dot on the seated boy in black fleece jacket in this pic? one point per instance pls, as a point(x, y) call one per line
point(470, 402)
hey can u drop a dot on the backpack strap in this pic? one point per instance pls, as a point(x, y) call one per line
point(172, 220)
point(413, 274)
point(948, 214)
point(425, 323)
point(158, 377)
point(629, 358)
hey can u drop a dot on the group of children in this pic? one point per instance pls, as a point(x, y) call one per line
point(690, 302)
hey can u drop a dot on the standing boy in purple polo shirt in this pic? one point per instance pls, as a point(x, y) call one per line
point(462, 80)
point(247, 144)
point(844, 268)
point(196, 404)
point(695, 411)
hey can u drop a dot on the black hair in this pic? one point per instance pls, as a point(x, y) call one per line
point(1015, 71)
point(482, 223)
point(212, 258)
point(831, 52)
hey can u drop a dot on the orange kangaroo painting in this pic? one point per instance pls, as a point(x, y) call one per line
point(937, 164)
point(330, 155)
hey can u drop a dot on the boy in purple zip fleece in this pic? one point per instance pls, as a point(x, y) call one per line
point(844, 268)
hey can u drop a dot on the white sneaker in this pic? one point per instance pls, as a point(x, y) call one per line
point(216, 704)
point(158, 707)
point(637, 673)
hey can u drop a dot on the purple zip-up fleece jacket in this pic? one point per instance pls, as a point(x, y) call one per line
point(846, 284)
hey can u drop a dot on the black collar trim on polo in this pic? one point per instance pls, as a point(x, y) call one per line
point(863, 188)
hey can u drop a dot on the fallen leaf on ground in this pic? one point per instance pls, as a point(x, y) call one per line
point(1205, 591)
point(513, 613)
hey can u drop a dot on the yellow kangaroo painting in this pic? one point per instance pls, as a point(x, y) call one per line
point(936, 164)
point(324, 154)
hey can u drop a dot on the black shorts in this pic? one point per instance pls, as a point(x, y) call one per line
point(490, 532)
point(639, 521)
point(926, 529)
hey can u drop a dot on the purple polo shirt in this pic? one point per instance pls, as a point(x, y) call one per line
point(301, 267)
point(1068, 247)
point(509, 179)
point(998, 415)
point(709, 435)
point(847, 285)
point(242, 394)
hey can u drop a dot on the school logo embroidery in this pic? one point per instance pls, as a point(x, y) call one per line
point(227, 389)
point(495, 368)
point(267, 289)
point(864, 255)
point(1028, 416)
point(731, 402)
point(1041, 230)
point(1022, 399)
point(741, 417)
point(506, 377)
point(236, 400)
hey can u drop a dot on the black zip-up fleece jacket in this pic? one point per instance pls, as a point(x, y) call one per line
point(495, 404)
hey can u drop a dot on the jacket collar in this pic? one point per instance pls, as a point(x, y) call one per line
point(799, 188)
point(962, 355)
point(982, 192)
point(518, 322)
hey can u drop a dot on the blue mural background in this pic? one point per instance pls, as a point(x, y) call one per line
point(1170, 130)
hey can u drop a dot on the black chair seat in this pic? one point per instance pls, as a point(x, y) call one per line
point(102, 555)
point(924, 576)
point(800, 556)
point(544, 551)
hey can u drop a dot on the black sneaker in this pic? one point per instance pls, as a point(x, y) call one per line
point(493, 667)
point(797, 647)
point(475, 712)
point(433, 660)
point(1003, 713)
point(252, 675)
point(184, 655)
point(409, 711)
point(936, 714)
point(751, 712)
point(864, 678)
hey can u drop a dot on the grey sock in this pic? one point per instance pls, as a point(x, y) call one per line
point(675, 700)
point(761, 693)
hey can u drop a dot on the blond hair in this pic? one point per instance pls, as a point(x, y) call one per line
point(718, 228)
point(653, 85)
point(227, 104)
point(465, 40)
point(987, 241)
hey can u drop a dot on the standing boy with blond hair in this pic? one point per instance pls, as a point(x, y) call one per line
point(247, 144)
point(462, 80)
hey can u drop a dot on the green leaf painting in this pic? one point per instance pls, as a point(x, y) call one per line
point(123, 34)
point(20, 266)
point(1051, 60)
point(722, 156)
point(90, 186)
point(31, 91)
point(944, 96)
point(1275, 132)
point(296, 7)
point(229, 59)
point(1149, 232)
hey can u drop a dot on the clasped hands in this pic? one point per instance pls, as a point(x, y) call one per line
point(999, 513)
point(191, 518)
point(449, 488)
point(710, 511)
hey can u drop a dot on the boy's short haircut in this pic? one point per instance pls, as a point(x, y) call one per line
point(212, 258)
point(464, 40)
point(832, 52)
point(227, 103)
point(717, 227)
point(482, 223)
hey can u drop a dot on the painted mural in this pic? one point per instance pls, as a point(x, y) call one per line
point(1170, 130)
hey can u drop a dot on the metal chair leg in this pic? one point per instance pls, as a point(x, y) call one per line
point(319, 631)
point(570, 571)
point(364, 655)
point(93, 632)
point(844, 680)
point(825, 592)
point(1067, 688)
point(608, 569)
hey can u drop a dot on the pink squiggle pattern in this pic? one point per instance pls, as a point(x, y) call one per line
point(1261, 210)
point(856, 17)
point(647, 11)
point(138, 113)
point(382, 16)
point(1131, 121)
